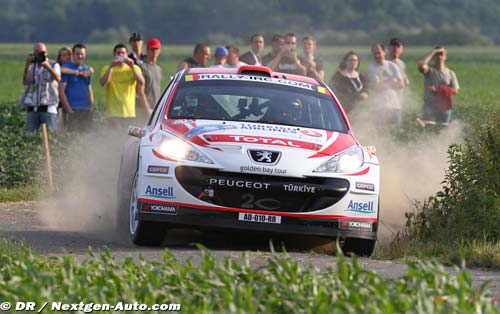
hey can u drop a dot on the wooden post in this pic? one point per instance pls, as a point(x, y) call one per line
point(47, 154)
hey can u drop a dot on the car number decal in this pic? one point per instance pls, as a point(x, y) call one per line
point(270, 219)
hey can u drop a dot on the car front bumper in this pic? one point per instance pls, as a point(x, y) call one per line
point(182, 215)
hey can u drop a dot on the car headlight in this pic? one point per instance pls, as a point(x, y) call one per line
point(174, 148)
point(347, 161)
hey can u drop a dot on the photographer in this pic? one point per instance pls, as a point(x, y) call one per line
point(41, 78)
point(122, 78)
point(283, 57)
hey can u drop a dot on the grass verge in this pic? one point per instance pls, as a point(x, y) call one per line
point(19, 193)
point(470, 253)
point(230, 286)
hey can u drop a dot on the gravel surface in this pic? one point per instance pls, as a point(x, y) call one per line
point(25, 220)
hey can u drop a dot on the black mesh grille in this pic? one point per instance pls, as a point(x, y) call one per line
point(261, 192)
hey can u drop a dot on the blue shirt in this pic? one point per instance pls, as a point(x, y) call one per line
point(77, 87)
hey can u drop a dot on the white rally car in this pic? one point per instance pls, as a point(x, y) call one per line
point(253, 150)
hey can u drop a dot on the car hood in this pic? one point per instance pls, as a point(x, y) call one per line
point(211, 135)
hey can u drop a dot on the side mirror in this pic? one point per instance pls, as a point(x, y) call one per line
point(136, 131)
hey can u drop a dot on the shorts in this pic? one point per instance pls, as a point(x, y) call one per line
point(35, 119)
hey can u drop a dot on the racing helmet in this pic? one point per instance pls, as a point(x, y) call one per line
point(191, 101)
point(288, 110)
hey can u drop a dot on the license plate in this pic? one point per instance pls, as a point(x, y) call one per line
point(270, 219)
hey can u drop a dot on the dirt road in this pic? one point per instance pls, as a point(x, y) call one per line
point(27, 221)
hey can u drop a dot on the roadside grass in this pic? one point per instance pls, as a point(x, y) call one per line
point(12, 251)
point(467, 253)
point(19, 193)
point(213, 285)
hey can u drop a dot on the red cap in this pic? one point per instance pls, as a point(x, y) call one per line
point(154, 43)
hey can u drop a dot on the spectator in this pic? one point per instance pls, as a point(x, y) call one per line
point(252, 56)
point(233, 57)
point(384, 79)
point(75, 92)
point(285, 60)
point(220, 57)
point(347, 83)
point(440, 84)
point(120, 79)
point(200, 57)
point(313, 64)
point(395, 52)
point(64, 55)
point(152, 72)
point(277, 44)
point(41, 78)
point(136, 41)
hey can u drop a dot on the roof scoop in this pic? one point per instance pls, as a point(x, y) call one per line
point(255, 70)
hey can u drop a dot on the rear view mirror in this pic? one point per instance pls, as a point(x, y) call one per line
point(136, 131)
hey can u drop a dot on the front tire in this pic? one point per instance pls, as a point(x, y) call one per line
point(144, 233)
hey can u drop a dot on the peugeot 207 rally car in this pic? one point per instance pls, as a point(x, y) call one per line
point(253, 150)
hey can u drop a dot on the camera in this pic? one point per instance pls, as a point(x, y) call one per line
point(40, 57)
point(120, 59)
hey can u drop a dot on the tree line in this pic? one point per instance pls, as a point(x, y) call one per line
point(333, 22)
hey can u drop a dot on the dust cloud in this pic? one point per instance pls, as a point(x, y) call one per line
point(85, 202)
point(410, 171)
point(86, 193)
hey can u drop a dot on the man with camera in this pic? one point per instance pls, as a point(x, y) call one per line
point(122, 78)
point(283, 57)
point(41, 97)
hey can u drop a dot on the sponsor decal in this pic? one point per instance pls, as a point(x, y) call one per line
point(365, 186)
point(262, 169)
point(269, 128)
point(321, 90)
point(310, 133)
point(356, 225)
point(207, 128)
point(255, 79)
point(262, 141)
point(252, 185)
point(158, 208)
point(264, 156)
point(160, 192)
point(302, 188)
point(360, 207)
point(158, 169)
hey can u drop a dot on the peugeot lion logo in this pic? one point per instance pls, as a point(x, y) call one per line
point(264, 156)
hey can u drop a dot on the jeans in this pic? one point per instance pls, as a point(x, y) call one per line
point(35, 119)
point(432, 113)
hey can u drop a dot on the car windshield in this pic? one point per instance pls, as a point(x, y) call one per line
point(280, 102)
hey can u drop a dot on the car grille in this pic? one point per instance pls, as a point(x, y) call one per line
point(261, 192)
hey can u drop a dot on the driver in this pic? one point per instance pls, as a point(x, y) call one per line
point(288, 111)
point(201, 109)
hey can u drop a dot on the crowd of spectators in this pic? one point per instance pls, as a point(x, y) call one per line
point(59, 93)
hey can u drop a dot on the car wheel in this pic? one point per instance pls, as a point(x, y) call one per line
point(146, 233)
point(360, 247)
